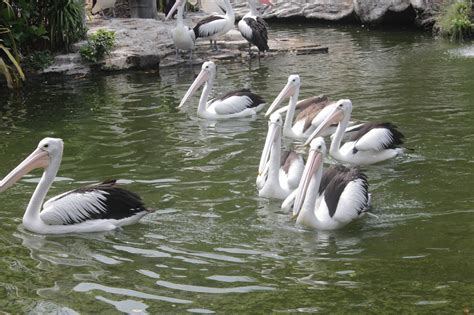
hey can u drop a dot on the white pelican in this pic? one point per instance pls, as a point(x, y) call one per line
point(332, 200)
point(278, 174)
point(101, 5)
point(183, 36)
point(235, 104)
point(216, 25)
point(370, 143)
point(313, 110)
point(253, 28)
point(99, 207)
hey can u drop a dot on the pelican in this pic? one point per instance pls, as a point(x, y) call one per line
point(235, 104)
point(101, 5)
point(216, 25)
point(313, 110)
point(332, 200)
point(99, 207)
point(183, 36)
point(253, 28)
point(278, 174)
point(370, 143)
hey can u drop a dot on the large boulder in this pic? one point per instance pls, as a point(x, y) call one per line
point(366, 11)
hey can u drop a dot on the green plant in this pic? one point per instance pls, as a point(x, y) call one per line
point(455, 22)
point(39, 60)
point(98, 45)
point(65, 22)
point(9, 64)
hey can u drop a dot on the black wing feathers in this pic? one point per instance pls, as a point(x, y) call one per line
point(336, 185)
point(207, 19)
point(259, 33)
point(396, 136)
point(256, 99)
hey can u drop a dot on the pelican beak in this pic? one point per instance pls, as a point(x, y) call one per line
point(200, 80)
point(38, 159)
point(272, 135)
point(315, 161)
point(335, 117)
point(287, 91)
point(175, 6)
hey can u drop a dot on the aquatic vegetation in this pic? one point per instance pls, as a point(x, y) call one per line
point(455, 22)
point(98, 45)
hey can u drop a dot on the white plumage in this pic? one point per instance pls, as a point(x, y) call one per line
point(235, 104)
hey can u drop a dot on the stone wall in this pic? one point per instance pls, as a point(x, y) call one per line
point(365, 11)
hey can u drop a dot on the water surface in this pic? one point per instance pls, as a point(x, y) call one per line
point(213, 245)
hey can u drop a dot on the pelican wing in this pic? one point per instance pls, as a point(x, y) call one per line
point(235, 102)
point(292, 165)
point(377, 136)
point(346, 196)
point(100, 201)
point(254, 30)
point(210, 26)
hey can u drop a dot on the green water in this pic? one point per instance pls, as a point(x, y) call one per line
point(213, 245)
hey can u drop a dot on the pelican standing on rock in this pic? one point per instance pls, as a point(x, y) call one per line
point(369, 143)
point(278, 173)
point(235, 104)
point(332, 200)
point(253, 28)
point(99, 207)
point(216, 25)
point(183, 36)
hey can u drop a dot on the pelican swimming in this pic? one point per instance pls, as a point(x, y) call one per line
point(183, 36)
point(235, 104)
point(332, 200)
point(216, 25)
point(313, 110)
point(253, 28)
point(278, 174)
point(370, 143)
point(99, 207)
point(101, 5)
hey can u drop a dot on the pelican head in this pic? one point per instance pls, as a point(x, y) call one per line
point(274, 134)
point(49, 150)
point(316, 155)
point(207, 74)
point(342, 110)
point(176, 5)
point(291, 88)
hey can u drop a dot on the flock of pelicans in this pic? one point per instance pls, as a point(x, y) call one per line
point(318, 197)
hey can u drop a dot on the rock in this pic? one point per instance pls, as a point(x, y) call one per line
point(366, 11)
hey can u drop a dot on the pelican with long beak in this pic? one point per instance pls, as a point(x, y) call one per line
point(370, 143)
point(278, 173)
point(183, 36)
point(313, 110)
point(99, 207)
point(329, 200)
point(235, 104)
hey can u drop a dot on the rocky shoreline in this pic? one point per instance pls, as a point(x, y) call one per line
point(147, 44)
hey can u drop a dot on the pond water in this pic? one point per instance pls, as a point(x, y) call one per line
point(213, 245)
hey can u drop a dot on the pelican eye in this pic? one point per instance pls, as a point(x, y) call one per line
point(46, 145)
point(319, 146)
point(340, 105)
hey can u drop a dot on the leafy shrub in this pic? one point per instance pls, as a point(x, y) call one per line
point(9, 65)
point(455, 21)
point(39, 60)
point(98, 45)
point(65, 22)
